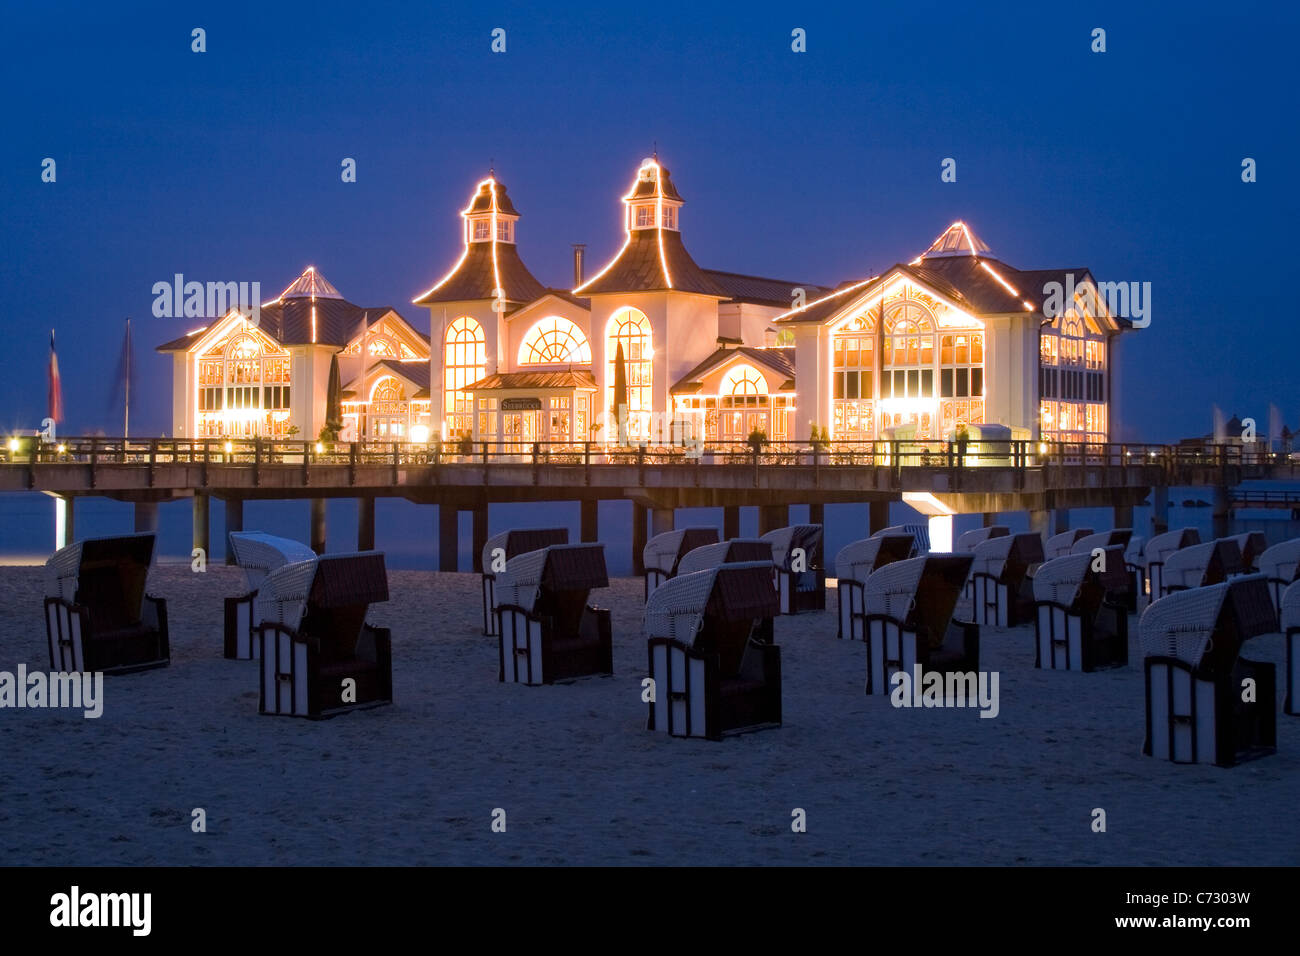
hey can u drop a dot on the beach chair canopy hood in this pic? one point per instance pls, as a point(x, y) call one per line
point(1291, 606)
point(920, 592)
point(785, 540)
point(725, 552)
point(1104, 539)
point(1162, 545)
point(1205, 627)
point(520, 541)
point(1282, 561)
point(108, 575)
point(664, 551)
point(258, 553)
point(967, 541)
point(558, 567)
point(1061, 544)
point(857, 560)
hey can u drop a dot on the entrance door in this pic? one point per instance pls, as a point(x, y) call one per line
point(521, 426)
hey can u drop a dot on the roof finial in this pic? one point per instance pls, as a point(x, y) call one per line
point(654, 145)
point(492, 166)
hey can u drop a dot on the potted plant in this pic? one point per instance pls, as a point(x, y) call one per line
point(757, 440)
point(465, 444)
point(963, 438)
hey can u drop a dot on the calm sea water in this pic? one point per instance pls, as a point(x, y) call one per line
point(408, 535)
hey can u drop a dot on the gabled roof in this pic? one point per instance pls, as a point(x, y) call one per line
point(575, 378)
point(483, 268)
point(417, 373)
point(652, 260)
point(762, 291)
point(780, 361)
point(562, 294)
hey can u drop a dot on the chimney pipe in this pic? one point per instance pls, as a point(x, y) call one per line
point(579, 261)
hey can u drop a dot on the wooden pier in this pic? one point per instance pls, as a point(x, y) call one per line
point(936, 478)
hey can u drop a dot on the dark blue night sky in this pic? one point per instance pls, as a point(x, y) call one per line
point(814, 167)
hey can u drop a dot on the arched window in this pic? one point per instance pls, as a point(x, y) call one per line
point(464, 360)
point(630, 328)
point(742, 386)
point(555, 341)
point(387, 389)
point(243, 388)
point(854, 378)
point(908, 352)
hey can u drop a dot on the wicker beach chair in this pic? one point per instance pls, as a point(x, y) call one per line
point(1204, 702)
point(1121, 538)
point(257, 554)
point(320, 657)
point(714, 667)
point(1157, 551)
point(1059, 545)
point(1200, 564)
point(725, 552)
point(908, 619)
point(998, 588)
point(800, 575)
point(662, 553)
point(98, 614)
point(1280, 566)
point(854, 564)
point(1251, 544)
point(920, 532)
point(967, 540)
point(1290, 602)
point(498, 550)
point(548, 631)
point(1081, 614)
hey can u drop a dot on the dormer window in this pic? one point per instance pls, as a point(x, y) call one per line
point(504, 231)
point(645, 217)
point(482, 230)
point(670, 217)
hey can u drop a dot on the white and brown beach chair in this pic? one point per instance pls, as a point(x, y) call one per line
point(734, 551)
point(800, 574)
point(1117, 538)
point(1157, 551)
point(854, 564)
point(1197, 565)
point(663, 552)
point(908, 619)
point(1198, 709)
point(498, 550)
point(714, 668)
point(1081, 614)
point(1059, 545)
point(1251, 544)
point(967, 540)
point(257, 554)
point(998, 589)
point(98, 614)
point(920, 532)
point(1290, 615)
point(319, 656)
point(1280, 566)
point(548, 631)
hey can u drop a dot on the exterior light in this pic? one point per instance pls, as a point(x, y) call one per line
point(320, 449)
point(420, 434)
point(1042, 448)
point(13, 444)
point(229, 446)
point(63, 449)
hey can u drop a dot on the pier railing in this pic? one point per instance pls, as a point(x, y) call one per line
point(897, 454)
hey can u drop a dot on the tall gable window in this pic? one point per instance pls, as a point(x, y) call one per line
point(464, 360)
point(555, 341)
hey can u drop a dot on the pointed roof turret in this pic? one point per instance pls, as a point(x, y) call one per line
point(491, 258)
point(957, 240)
point(310, 285)
point(653, 257)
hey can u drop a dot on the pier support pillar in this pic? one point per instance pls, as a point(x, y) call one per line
point(1159, 509)
point(771, 517)
point(941, 534)
point(990, 519)
point(730, 522)
point(234, 522)
point(1060, 520)
point(64, 520)
point(1222, 513)
point(638, 538)
point(200, 513)
point(661, 520)
point(589, 520)
point(146, 516)
point(479, 536)
point(318, 525)
point(448, 538)
point(1039, 522)
point(1122, 516)
point(817, 513)
point(878, 516)
point(366, 523)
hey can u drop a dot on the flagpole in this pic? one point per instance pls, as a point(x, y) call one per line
point(126, 415)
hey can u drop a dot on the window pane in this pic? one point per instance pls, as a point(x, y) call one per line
point(962, 382)
point(927, 382)
point(977, 381)
point(945, 383)
point(851, 390)
point(977, 349)
point(913, 383)
point(945, 356)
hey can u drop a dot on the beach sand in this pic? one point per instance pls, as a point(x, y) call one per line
point(582, 780)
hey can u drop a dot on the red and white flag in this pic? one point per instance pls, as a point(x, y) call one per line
point(56, 386)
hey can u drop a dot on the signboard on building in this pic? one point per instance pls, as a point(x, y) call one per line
point(521, 404)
